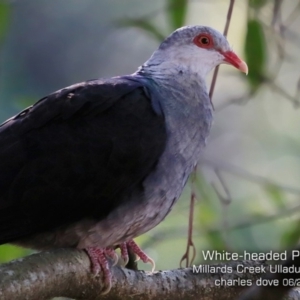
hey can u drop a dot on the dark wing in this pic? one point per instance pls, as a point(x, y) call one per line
point(75, 154)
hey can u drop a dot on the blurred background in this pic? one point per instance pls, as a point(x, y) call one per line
point(248, 180)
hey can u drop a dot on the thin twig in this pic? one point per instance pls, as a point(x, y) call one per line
point(225, 201)
point(243, 174)
point(190, 243)
point(177, 233)
point(228, 198)
point(263, 220)
point(276, 12)
point(282, 92)
point(214, 79)
point(297, 96)
point(241, 100)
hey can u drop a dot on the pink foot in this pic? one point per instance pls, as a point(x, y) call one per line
point(124, 253)
point(136, 250)
point(99, 263)
point(111, 253)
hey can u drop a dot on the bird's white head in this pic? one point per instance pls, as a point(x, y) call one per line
point(193, 49)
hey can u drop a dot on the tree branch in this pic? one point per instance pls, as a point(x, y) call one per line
point(66, 273)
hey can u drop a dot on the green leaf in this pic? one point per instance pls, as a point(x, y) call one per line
point(9, 252)
point(291, 237)
point(207, 213)
point(257, 4)
point(275, 194)
point(255, 52)
point(216, 241)
point(177, 12)
point(144, 25)
point(4, 18)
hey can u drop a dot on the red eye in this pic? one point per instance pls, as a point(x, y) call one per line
point(204, 40)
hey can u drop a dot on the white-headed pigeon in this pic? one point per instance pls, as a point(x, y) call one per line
point(99, 163)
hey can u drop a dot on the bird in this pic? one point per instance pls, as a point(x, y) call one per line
point(96, 164)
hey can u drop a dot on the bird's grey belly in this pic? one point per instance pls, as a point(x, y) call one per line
point(141, 213)
point(162, 189)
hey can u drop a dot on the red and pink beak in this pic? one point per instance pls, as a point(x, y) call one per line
point(231, 58)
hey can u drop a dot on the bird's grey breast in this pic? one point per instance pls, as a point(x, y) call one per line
point(188, 116)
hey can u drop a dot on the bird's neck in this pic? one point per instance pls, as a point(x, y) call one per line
point(163, 64)
point(185, 84)
point(175, 90)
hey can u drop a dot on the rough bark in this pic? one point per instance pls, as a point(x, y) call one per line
point(66, 272)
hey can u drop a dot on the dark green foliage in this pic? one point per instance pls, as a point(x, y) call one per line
point(290, 238)
point(177, 12)
point(276, 194)
point(256, 4)
point(255, 52)
point(4, 19)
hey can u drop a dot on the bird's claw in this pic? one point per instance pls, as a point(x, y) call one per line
point(99, 263)
point(110, 252)
point(136, 250)
point(124, 253)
